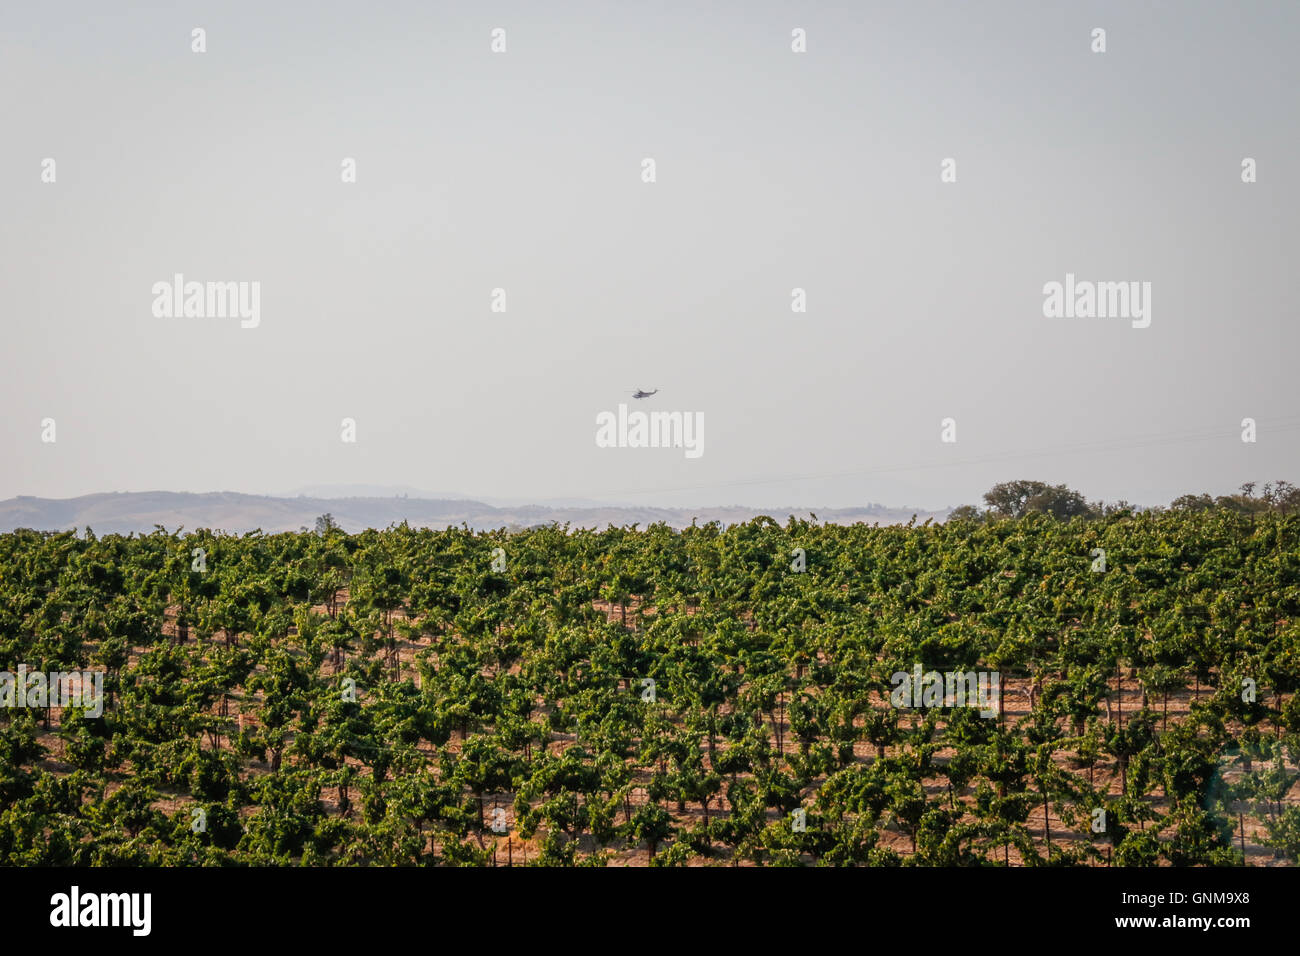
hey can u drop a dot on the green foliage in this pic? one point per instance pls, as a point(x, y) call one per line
point(391, 698)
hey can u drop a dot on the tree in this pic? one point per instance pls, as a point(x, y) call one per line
point(1015, 499)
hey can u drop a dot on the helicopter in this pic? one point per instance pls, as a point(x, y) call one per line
point(640, 393)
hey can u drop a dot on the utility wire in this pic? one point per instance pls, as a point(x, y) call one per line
point(1103, 446)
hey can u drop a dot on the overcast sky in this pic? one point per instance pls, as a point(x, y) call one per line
point(522, 170)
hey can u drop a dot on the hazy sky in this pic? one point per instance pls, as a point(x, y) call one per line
point(775, 170)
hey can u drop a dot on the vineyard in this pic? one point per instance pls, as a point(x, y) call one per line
point(707, 697)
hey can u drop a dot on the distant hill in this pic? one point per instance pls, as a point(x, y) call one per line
point(125, 512)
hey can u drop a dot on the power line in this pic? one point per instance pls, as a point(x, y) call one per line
point(1102, 446)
